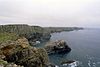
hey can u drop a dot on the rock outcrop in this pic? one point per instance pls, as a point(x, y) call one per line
point(10, 47)
point(21, 53)
point(29, 57)
point(59, 46)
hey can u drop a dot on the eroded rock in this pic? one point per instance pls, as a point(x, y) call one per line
point(59, 46)
point(29, 57)
point(21, 53)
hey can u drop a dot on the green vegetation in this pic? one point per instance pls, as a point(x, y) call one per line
point(7, 32)
point(7, 36)
point(21, 29)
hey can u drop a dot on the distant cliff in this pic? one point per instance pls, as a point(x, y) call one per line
point(60, 29)
point(26, 30)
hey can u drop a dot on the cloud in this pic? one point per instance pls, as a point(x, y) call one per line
point(51, 12)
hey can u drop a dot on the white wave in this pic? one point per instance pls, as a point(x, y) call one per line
point(89, 64)
point(56, 66)
point(94, 64)
point(74, 64)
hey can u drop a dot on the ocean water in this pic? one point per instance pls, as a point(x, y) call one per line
point(85, 45)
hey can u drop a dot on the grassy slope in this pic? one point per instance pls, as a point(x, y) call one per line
point(7, 36)
point(8, 32)
point(20, 29)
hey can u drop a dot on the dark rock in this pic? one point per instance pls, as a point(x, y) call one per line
point(60, 46)
point(67, 62)
point(42, 37)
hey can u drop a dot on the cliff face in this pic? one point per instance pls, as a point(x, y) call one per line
point(21, 29)
point(32, 33)
point(21, 53)
point(60, 29)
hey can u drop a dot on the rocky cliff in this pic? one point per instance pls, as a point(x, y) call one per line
point(16, 49)
point(21, 53)
point(32, 33)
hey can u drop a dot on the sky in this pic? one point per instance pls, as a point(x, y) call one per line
point(62, 13)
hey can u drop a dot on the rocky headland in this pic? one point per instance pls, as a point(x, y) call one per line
point(17, 46)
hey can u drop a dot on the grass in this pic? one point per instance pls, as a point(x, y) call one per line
point(7, 36)
point(2, 62)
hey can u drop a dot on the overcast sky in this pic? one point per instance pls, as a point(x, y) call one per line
point(85, 13)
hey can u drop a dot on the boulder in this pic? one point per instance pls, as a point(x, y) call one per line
point(59, 46)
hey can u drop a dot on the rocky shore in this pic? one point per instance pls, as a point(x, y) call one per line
point(17, 46)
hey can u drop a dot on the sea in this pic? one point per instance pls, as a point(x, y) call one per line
point(85, 45)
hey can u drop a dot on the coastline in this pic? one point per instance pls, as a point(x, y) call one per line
point(26, 37)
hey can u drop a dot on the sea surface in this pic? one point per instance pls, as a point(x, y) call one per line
point(85, 45)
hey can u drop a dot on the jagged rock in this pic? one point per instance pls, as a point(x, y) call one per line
point(21, 53)
point(59, 46)
point(10, 47)
point(23, 42)
point(29, 57)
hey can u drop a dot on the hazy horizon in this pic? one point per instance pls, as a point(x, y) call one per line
point(51, 13)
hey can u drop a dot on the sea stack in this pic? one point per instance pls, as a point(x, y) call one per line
point(59, 46)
